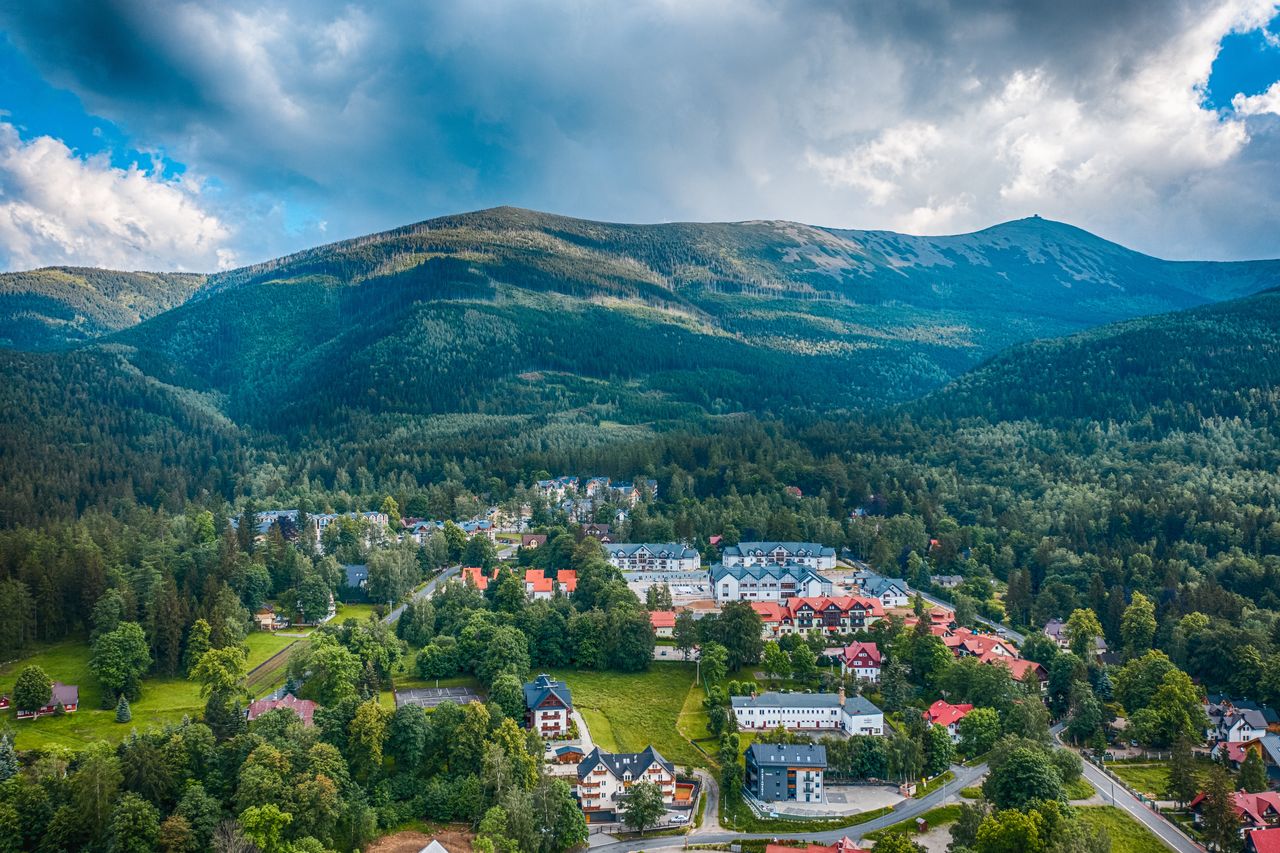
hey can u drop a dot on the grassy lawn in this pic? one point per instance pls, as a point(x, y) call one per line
point(1080, 789)
point(164, 700)
point(1126, 833)
point(1150, 778)
point(933, 784)
point(263, 644)
point(941, 816)
point(628, 711)
point(359, 612)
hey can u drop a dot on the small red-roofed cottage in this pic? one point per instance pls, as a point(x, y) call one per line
point(663, 622)
point(567, 581)
point(4, 701)
point(948, 716)
point(475, 576)
point(537, 585)
point(304, 708)
point(862, 660)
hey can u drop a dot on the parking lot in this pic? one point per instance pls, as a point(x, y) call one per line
point(430, 697)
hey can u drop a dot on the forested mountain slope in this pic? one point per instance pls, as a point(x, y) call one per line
point(59, 306)
point(1171, 370)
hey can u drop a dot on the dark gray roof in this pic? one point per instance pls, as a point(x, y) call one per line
point(357, 574)
point(852, 705)
point(541, 687)
point(789, 570)
point(859, 706)
point(788, 755)
point(661, 550)
point(807, 549)
point(620, 762)
point(64, 694)
point(877, 586)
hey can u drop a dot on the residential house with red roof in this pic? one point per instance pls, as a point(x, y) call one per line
point(304, 708)
point(948, 716)
point(475, 576)
point(66, 696)
point(1256, 811)
point(538, 586)
point(832, 615)
point(1262, 841)
point(844, 845)
point(567, 581)
point(663, 622)
point(861, 660)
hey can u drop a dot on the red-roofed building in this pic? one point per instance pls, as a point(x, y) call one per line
point(1256, 811)
point(475, 576)
point(538, 585)
point(1262, 841)
point(663, 622)
point(833, 615)
point(948, 716)
point(4, 701)
point(772, 615)
point(861, 660)
point(844, 845)
point(567, 580)
point(1018, 668)
point(304, 708)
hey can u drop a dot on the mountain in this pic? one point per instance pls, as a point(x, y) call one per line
point(55, 307)
point(503, 341)
point(1169, 371)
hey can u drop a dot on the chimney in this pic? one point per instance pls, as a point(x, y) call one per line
point(840, 695)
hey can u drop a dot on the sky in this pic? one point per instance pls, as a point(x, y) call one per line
point(206, 135)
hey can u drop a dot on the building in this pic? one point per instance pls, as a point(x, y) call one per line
point(475, 576)
point(892, 592)
point(947, 581)
point(547, 706)
point(568, 754)
point(831, 615)
point(557, 489)
point(597, 531)
point(538, 586)
point(1262, 841)
point(663, 622)
point(567, 581)
point(653, 557)
point(604, 777)
point(948, 716)
point(862, 661)
point(1238, 719)
point(4, 702)
point(304, 708)
point(809, 554)
point(355, 583)
point(533, 540)
point(767, 582)
point(321, 522)
point(1056, 630)
point(853, 715)
point(267, 619)
point(1256, 811)
point(781, 772)
point(66, 696)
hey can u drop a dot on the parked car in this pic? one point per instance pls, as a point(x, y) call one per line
point(677, 817)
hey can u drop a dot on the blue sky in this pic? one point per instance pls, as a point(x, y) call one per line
point(147, 135)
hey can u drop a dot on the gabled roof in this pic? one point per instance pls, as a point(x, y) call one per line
point(536, 691)
point(843, 603)
point(770, 611)
point(942, 713)
point(878, 586)
point(860, 706)
point(357, 574)
point(475, 575)
point(662, 618)
point(64, 694)
point(1264, 840)
point(788, 754)
point(1252, 808)
point(793, 571)
point(622, 762)
point(304, 708)
point(799, 549)
point(567, 578)
point(536, 581)
point(869, 651)
point(659, 550)
point(853, 705)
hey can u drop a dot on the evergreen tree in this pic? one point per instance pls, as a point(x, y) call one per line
point(1182, 785)
point(8, 758)
point(123, 714)
point(1253, 773)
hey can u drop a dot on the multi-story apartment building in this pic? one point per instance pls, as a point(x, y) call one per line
point(780, 772)
point(653, 557)
point(809, 554)
point(853, 715)
point(604, 777)
point(767, 582)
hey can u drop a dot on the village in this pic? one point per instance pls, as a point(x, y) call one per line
point(821, 695)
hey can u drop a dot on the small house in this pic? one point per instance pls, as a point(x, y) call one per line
point(663, 622)
point(64, 696)
point(304, 708)
point(548, 705)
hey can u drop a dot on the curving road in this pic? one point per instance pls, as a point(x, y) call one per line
point(711, 833)
point(426, 591)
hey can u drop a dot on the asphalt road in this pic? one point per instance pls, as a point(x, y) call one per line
point(1117, 795)
point(425, 592)
point(907, 810)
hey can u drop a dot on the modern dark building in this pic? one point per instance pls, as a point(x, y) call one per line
point(777, 772)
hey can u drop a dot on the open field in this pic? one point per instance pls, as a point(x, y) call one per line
point(359, 612)
point(1152, 777)
point(628, 711)
point(1126, 833)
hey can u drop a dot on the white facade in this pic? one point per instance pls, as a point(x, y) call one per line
point(808, 712)
point(772, 583)
point(603, 778)
point(653, 557)
point(810, 554)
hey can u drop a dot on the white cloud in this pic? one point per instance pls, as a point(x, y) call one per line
point(1260, 104)
point(59, 208)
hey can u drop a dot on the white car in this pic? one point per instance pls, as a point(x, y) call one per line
point(677, 817)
